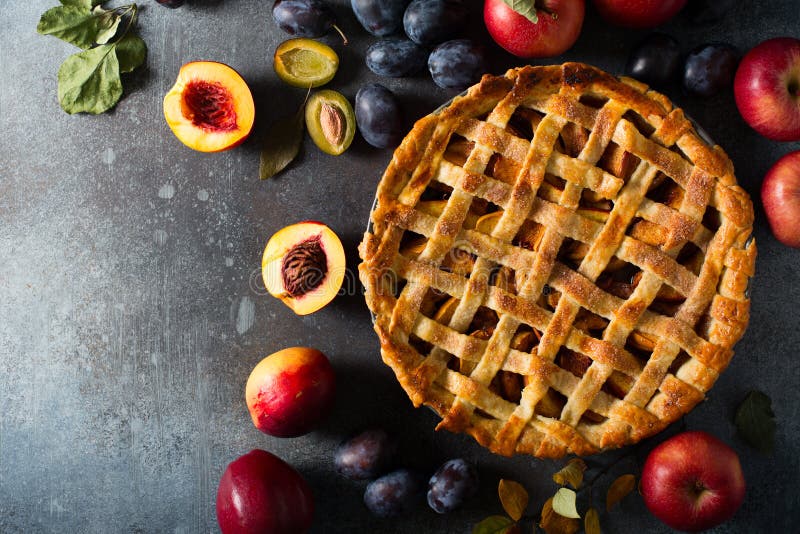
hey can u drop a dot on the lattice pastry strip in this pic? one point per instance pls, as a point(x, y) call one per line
point(581, 285)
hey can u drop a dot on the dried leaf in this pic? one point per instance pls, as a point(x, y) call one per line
point(526, 8)
point(513, 497)
point(591, 524)
point(494, 524)
point(564, 503)
point(571, 474)
point(755, 421)
point(282, 144)
point(553, 523)
point(621, 487)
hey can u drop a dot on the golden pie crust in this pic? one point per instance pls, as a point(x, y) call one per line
point(558, 263)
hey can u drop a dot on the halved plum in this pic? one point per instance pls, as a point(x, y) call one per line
point(305, 62)
point(330, 121)
point(304, 266)
point(210, 107)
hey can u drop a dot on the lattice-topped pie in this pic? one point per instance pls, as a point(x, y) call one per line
point(558, 263)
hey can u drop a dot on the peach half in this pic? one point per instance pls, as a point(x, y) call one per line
point(304, 266)
point(210, 107)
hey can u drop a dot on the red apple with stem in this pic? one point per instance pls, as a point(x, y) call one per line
point(548, 28)
point(638, 13)
point(692, 482)
point(780, 193)
point(259, 492)
point(767, 89)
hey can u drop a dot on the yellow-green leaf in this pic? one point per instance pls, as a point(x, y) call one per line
point(564, 503)
point(513, 497)
point(621, 487)
point(495, 524)
point(591, 524)
point(571, 474)
point(553, 523)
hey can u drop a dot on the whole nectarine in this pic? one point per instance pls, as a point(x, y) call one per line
point(290, 391)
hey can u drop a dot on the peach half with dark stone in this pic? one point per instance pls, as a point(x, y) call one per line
point(304, 266)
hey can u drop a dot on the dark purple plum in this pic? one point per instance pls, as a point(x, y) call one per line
point(709, 69)
point(393, 494)
point(457, 64)
point(396, 58)
point(452, 484)
point(655, 60)
point(171, 3)
point(305, 18)
point(378, 116)
point(430, 22)
point(380, 17)
point(365, 455)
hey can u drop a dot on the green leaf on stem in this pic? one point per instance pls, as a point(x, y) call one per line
point(88, 4)
point(89, 81)
point(71, 23)
point(107, 27)
point(526, 8)
point(282, 144)
point(131, 52)
point(755, 421)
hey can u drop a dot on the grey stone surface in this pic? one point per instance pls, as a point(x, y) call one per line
point(131, 310)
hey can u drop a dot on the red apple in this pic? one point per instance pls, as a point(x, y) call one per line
point(259, 493)
point(638, 13)
point(558, 24)
point(780, 193)
point(767, 89)
point(289, 392)
point(692, 482)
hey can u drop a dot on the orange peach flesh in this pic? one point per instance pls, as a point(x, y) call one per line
point(272, 266)
point(210, 108)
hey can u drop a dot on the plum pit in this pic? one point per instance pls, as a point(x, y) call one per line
point(209, 105)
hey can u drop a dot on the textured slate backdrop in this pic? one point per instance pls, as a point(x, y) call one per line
point(131, 310)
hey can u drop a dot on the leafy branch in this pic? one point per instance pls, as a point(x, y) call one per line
point(89, 81)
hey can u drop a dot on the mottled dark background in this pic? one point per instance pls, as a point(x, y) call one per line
point(131, 310)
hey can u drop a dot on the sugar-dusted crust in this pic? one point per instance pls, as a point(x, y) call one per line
point(611, 180)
